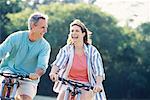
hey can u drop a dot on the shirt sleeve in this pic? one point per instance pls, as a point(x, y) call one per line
point(43, 57)
point(98, 64)
point(61, 59)
point(6, 46)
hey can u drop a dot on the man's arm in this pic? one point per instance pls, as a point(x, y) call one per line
point(38, 73)
point(6, 46)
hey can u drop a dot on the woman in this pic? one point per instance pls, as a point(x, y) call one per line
point(79, 61)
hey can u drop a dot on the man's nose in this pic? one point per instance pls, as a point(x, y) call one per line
point(45, 30)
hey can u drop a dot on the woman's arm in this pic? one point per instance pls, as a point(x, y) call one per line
point(53, 73)
point(99, 79)
point(99, 71)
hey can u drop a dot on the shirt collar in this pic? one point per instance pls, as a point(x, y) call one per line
point(86, 49)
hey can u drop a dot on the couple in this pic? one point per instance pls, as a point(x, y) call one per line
point(20, 53)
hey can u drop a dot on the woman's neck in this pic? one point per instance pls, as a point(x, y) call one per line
point(79, 44)
point(79, 49)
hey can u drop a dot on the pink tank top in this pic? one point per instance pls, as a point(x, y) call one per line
point(78, 70)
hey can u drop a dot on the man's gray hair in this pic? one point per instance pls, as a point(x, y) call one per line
point(34, 18)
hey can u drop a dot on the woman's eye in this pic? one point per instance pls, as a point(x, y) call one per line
point(72, 30)
point(77, 30)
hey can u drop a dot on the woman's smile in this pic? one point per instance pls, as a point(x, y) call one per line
point(74, 36)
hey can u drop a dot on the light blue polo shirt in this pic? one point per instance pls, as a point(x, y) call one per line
point(23, 56)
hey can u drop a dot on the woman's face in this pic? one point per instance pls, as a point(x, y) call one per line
point(76, 34)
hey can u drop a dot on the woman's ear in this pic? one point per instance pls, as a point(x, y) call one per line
point(83, 34)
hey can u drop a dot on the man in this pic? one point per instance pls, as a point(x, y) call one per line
point(27, 52)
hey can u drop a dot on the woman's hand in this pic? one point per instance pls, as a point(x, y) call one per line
point(53, 76)
point(97, 88)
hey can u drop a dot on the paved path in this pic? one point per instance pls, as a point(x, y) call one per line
point(44, 98)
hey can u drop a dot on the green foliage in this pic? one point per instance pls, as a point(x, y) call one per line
point(144, 28)
point(6, 6)
point(19, 20)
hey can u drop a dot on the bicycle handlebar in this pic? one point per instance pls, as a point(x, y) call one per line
point(75, 84)
point(12, 75)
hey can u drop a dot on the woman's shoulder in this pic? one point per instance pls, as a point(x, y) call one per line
point(90, 46)
point(67, 47)
point(93, 49)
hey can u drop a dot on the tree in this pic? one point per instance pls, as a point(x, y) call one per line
point(6, 6)
point(144, 28)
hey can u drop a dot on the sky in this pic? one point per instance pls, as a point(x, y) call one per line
point(131, 12)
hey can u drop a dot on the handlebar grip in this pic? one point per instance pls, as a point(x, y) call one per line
point(91, 87)
point(13, 75)
point(26, 76)
point(59, 78)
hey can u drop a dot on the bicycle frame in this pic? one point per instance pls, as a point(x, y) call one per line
point(75, 92)
point(9, 85)
point(74, 88)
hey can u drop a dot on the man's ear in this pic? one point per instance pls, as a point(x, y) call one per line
point(32, 25)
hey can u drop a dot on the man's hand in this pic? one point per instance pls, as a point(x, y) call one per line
point(33, 76)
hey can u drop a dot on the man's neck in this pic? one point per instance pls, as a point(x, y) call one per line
point(32, 37)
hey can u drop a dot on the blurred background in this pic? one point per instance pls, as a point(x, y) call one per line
point(120, 31)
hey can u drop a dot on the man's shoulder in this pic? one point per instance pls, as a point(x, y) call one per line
point(18, 33)
point(45, 42)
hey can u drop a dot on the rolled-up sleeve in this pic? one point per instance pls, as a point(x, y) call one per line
point(98, 64)
point(43, 57)
point(61, 59)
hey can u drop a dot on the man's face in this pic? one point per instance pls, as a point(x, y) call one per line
point(40, 28)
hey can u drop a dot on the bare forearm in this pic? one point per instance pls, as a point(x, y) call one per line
point(53, 73)
point(99, 79)
point(37, 74)
point(54, 69)
point(40, 71)
point(97, 87)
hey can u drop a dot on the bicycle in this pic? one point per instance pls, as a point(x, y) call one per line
point(10, 84)
point(74, 88)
